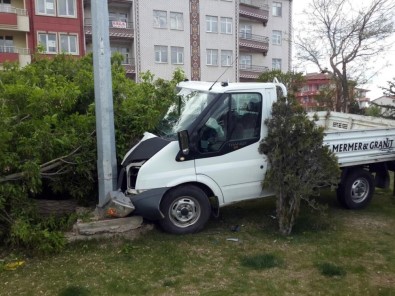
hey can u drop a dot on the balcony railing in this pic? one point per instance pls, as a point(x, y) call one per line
point(13, 49)
point(10, 9)
point(117, 29)
point(255, 9)
point(129, 65)
point(256, 3)
point(253, 43)
point(253, 68)
point(14, 54)
point(113, 24)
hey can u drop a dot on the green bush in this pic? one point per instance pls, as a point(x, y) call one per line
point(47, 135)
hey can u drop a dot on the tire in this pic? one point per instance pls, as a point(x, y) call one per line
point(357, 190)
point(187, 210)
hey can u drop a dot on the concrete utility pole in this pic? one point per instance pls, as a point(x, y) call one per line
point(106, 157)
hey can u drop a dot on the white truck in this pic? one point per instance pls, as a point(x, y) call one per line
point(205, 155)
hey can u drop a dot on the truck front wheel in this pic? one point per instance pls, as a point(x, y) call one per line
point(186, 209)
point(357, 190)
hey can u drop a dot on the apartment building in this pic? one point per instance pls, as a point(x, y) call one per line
point(234, 40)
point(230, 40)
point(55, 25)
point(14, 30)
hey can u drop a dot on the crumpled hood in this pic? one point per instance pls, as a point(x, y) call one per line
point(148, 146)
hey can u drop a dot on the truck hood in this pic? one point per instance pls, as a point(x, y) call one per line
point(148, 146)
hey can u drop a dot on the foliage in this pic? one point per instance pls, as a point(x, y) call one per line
point(345, 38)
point(299, 163)
point(390, 89)
point(373, 110)
point(47, 133)
point(293, 81)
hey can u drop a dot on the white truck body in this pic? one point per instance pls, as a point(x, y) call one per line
point(179, 182)
point(358, 139)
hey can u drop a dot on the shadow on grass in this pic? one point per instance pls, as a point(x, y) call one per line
point(262, 261)
point(74, 291)
point(331, 270)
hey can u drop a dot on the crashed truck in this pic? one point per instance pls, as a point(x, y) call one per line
point(204, 155)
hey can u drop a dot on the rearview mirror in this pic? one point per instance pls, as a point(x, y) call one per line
point(183, 141)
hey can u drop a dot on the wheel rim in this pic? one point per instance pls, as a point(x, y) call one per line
point(360, 190)
point(184, 211)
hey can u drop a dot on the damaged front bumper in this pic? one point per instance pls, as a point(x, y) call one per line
point(145, 204)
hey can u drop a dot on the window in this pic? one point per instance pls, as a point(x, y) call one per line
point(277, 9)
point(6, 44)
point(226, 25)
point(5, 2)
point(212, 57)
point(68, 44)
point(160, 19)
point(211, 24)
point(276, 64)
point(66, 7)
point(177, 55)
point(246, 31)
point(226, 58)
point(176, 21)
point(48, 41)
point(245, 61)
point(45, 7)
point(276, 37)
point(160, 54)
point(237, 118)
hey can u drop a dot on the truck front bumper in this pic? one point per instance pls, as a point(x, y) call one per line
point(147, 203)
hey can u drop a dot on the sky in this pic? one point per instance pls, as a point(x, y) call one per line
point(384, 73)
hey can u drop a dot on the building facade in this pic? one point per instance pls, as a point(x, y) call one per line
point(319, 92)
point(14, 30)
point(230, 40)
point(55, 25)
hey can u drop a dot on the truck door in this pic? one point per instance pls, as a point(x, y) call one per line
point(227, 144)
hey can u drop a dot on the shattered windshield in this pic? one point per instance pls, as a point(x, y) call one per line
point(181, 115)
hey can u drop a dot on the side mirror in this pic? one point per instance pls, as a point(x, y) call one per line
point(183, 141)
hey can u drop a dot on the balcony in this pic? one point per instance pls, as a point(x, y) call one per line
point(130, 66)
point(14, 54)
point(118, 3)
point(251, 72)
point(118, 30)
point(14, 19)
point(254, 9)
point(253, 43)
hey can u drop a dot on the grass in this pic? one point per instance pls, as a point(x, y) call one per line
point(340, 252)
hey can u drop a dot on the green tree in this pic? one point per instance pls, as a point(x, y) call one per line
point(346, 38)
point(299, 163)
point(293, 81)
point(47, 132)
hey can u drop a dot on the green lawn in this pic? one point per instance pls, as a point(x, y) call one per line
point(338, 253)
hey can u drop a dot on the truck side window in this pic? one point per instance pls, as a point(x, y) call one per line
point(213, 134)
point(237, 118)
point(245, 119)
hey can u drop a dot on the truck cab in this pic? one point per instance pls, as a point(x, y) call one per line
point(205, 155)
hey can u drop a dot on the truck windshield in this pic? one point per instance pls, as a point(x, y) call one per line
point(181, 115)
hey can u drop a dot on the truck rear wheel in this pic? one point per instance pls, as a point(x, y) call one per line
point(186, 209)
point(357, 190)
